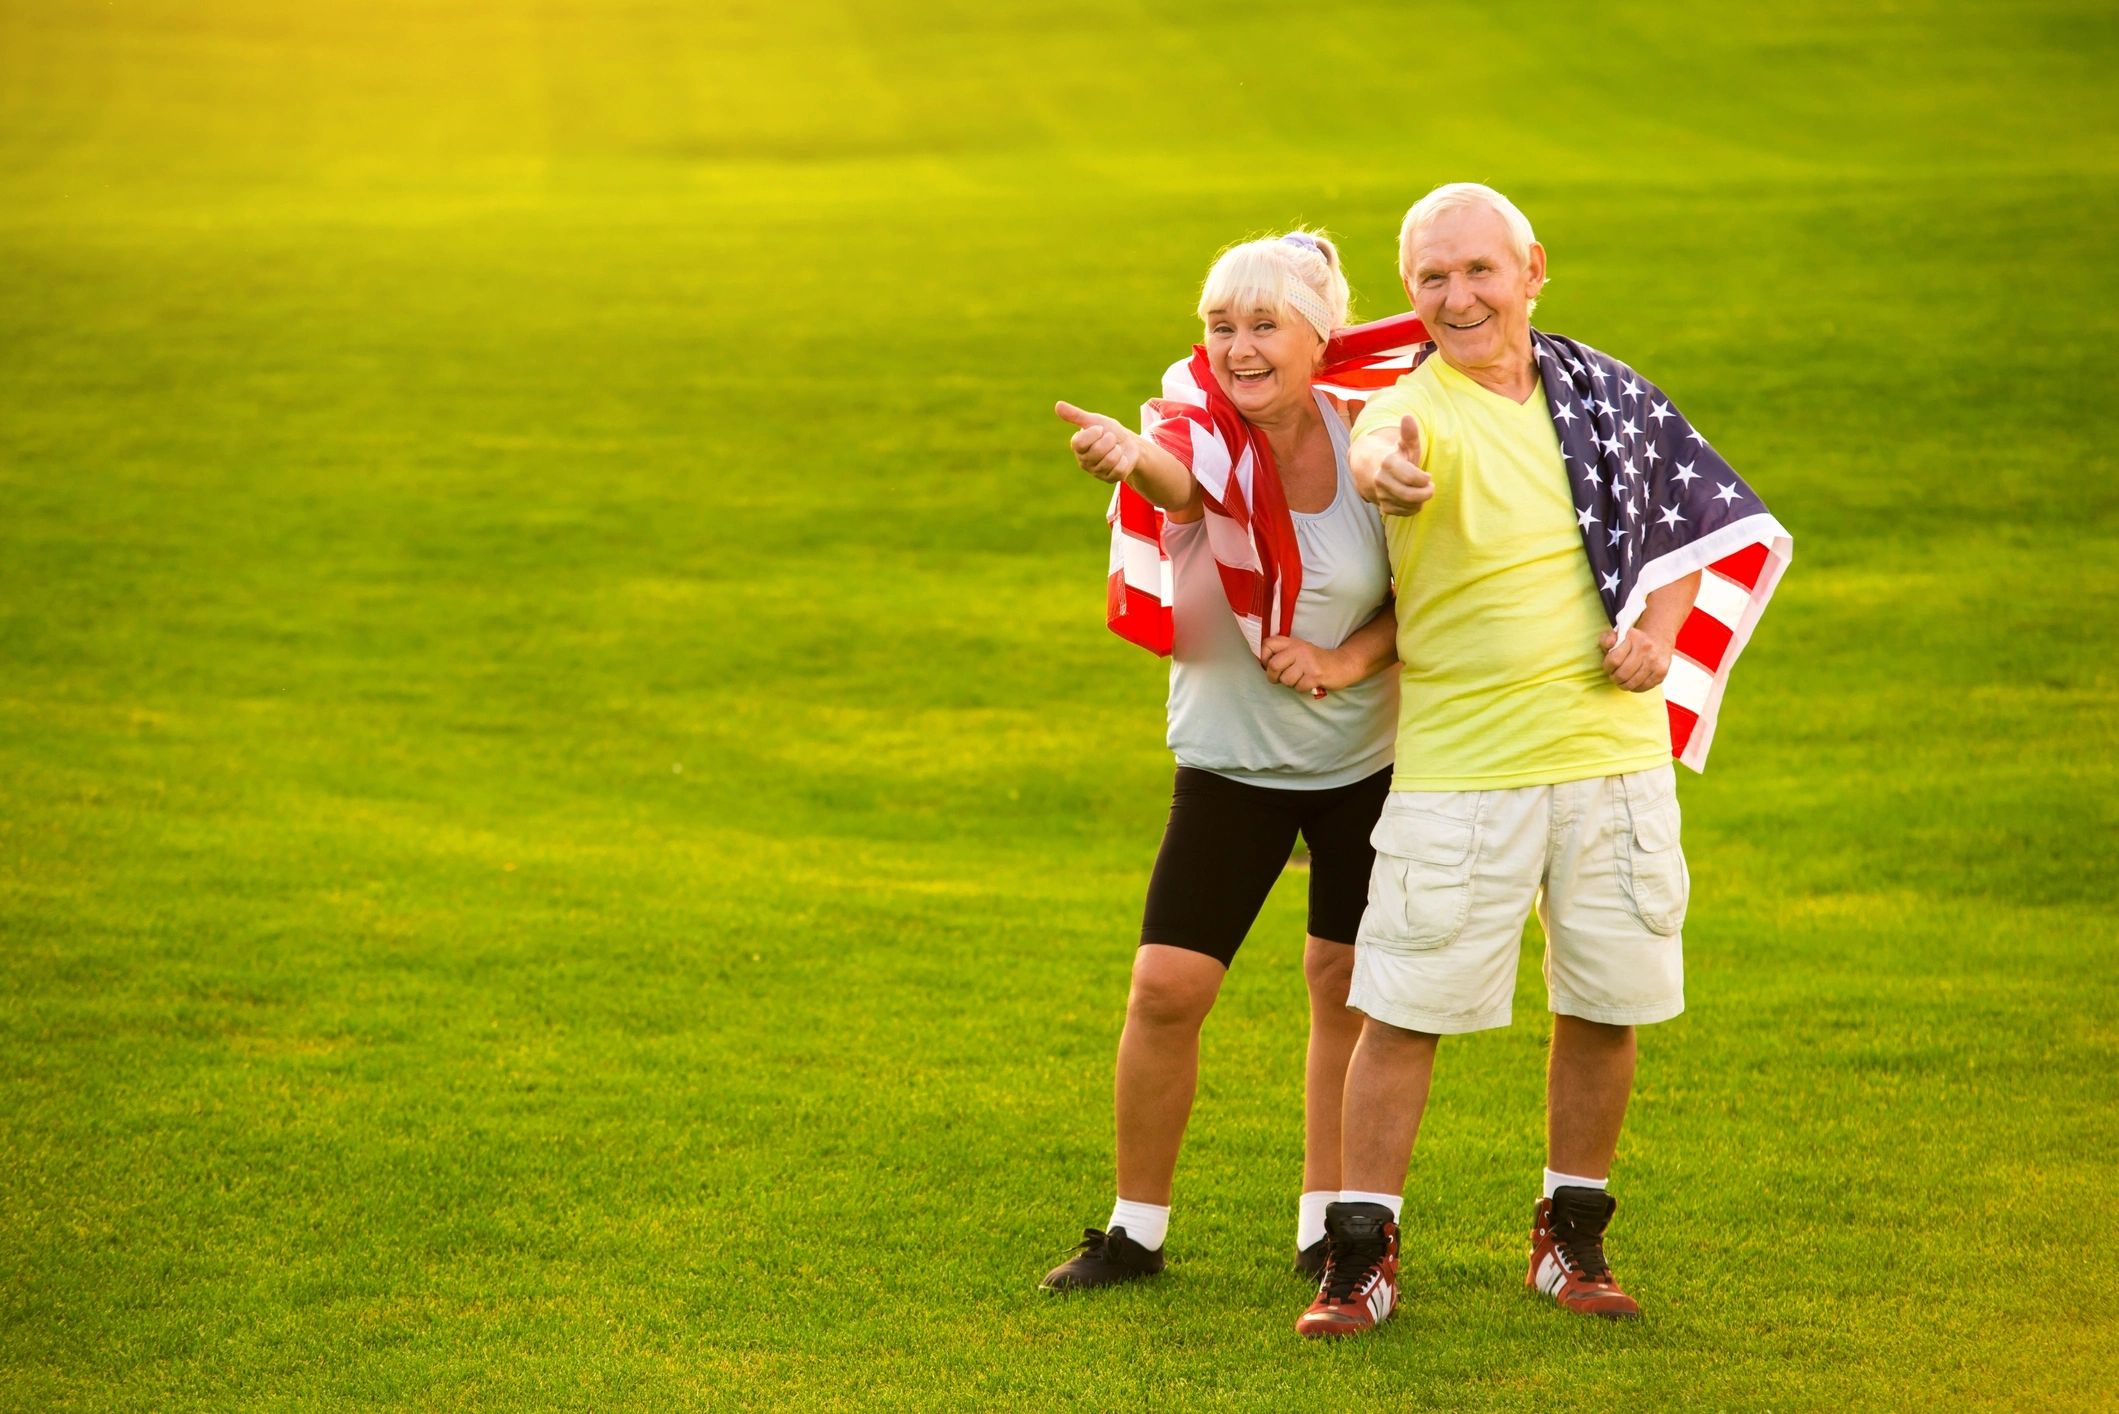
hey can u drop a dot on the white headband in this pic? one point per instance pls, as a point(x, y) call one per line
point(1306, 301)
point(1311, 308)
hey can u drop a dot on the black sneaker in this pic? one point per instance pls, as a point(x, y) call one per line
point(1309, 1261)
point(1103, 1259)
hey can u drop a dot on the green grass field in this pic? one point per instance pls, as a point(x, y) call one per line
point(571, 834)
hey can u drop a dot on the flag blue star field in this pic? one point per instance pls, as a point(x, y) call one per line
point(1655, 502)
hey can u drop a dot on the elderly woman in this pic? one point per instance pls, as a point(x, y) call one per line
point(1292, 735)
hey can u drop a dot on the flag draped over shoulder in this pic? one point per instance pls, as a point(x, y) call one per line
point(1249, 530)
point(1655, 503)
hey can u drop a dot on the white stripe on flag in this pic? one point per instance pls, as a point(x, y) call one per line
point(1687, 684)
point(1144, 563)
point(1723, 598)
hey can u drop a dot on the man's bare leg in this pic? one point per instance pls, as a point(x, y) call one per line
point(1386, 1093)
point(1586, 1090)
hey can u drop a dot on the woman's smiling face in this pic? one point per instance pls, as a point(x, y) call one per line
point(1263, 360)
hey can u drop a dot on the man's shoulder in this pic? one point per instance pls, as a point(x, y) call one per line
point(1576, 360)
point(1415, 393)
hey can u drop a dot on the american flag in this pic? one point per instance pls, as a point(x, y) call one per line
point(1249, 531)
point(1654, 501)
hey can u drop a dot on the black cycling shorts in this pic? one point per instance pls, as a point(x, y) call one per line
point(1227, 842)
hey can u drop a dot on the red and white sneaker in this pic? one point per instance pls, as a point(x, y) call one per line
point(1360, 1286)
point(1567, 1254)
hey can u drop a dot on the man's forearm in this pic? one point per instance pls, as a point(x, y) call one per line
point(1664, 613)
point(1365, 458)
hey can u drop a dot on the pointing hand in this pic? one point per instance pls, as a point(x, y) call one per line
point(1103, 446)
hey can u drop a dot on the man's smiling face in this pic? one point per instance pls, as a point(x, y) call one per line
point(1471, 289)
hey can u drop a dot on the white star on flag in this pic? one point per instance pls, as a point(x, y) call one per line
point(1686, 475)
point(1651, 453)
point(1726, 494)
point(1633, 389)
point(1586, 516)
point(1660, 411)
point(1563, 412)
point(1694, 434)
point(1631, 430)
point(1611, 582)
point(1618, 533)
point(1670, 516)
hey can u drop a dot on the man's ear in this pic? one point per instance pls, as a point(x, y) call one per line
point(1537, 269)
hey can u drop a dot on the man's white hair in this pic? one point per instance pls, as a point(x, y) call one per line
point(1455, 196)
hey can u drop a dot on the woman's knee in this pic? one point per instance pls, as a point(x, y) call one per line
point(1328, 968)
point(1174, 990)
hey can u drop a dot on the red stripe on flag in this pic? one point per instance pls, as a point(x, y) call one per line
point(1704, 639)
point(1137, 617)
point(1242, 587)
point(1745, 566)
point(1382, 336)
point(1361, 377)
point(1137, 516)
point(1681, 724)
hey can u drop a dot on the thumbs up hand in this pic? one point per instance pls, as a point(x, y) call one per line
point(1402, 484)
point(1103, 446)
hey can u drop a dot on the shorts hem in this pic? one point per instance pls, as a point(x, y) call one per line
point(1173, 940)
point(1408, 1019)
point(1617, 1015)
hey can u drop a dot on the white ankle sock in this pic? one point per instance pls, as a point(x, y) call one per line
point(1309, 1222)
point(1145, 1223)
point(1394, 1201)
point(1571, 1180)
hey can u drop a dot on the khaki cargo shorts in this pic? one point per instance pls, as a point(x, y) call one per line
point(1457, 872)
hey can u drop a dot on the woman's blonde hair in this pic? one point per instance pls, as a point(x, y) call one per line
point(1297, 271)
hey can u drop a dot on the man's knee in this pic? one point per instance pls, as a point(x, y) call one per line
point(1386, 1039)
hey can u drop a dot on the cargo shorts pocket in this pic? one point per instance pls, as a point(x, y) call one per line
point(1420, 888)
point(1658, 885)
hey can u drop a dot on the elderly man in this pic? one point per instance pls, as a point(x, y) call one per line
point(1550, 518)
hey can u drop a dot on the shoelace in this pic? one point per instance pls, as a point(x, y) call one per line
point(1583, 1252)
point(1093, 1240)
point(1346, 1268)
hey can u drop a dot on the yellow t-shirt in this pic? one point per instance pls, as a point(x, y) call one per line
point(1498, 617)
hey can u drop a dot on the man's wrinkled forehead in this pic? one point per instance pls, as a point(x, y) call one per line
point(1456, 238)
